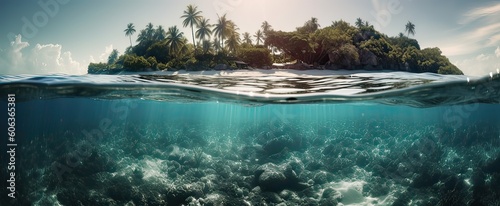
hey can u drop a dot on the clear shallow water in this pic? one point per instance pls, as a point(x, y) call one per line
point(157, 140)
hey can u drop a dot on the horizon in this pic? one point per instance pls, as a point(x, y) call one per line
point(64, 36)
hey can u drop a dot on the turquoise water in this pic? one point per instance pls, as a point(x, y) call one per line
point(404, 139)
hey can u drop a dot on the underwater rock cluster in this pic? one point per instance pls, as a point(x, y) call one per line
point(328, 164)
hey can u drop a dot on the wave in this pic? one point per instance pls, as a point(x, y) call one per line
point(394, 88)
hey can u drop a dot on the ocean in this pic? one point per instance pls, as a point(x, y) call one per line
point(147, 139)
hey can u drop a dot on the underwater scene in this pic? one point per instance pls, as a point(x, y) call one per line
point(378, 139)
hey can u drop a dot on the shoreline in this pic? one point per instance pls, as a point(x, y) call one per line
point(271, 72)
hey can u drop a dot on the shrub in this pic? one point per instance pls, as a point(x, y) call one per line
point(161, 66)
point(96, 68)
point(136, 63)
point(152, 61)
point(256, 57)
point(449, 69)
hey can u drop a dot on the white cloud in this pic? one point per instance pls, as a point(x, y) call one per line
point(482, 57)
point(453, 48)
point(483, 31)
point(481, 12)
point(14, 54)
point(104, 55)
point(486, 32)
point(480, 65)
point(497, 52)
point(42, 59)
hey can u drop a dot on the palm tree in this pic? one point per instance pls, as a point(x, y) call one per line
point(150, 30)
point(217, 45)
point(160, 34)
point(246, 38)
point(221, 29)
point(191, 16)
point(233, 37)
point(359, 22)
point(174, 39)
point(204, 29)
point(410, 28)
point(266, 27)
point(184, 47)
point(232, 43)
point(258, 36)
point(113, 57)
point(206, 46)
point(312, 25)
point(129, 31)
point(401, 35)
point(142, 37)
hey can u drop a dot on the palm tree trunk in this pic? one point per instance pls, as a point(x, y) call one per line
point(222, 43)
point(192, 34)
point(130, 40)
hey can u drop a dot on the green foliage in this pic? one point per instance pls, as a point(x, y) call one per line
point(410, 58)
point(95, 68)
point(404, 42)
point(341, 24)
point(152, 62)
point(141, 48)
point(191, 17)
point(256, 57)
point(160, 51)
point(104, 68)
point(136, 63)
point(382, 49)
point(339, 45)
point(204, 29)
point(222, 29)
point(410, 28)
point(450, 69)
point(113, 57)
point(432, 61)
point(182, 63)
point(379, 47)
point(332, 37)
point(310, 26)
point(346, 56)
point(129, 31)
point(365, 33)
point(246, 46)
point(292, 43)
point(161, 66)
point(348, 47)
point(314, 47)
point(175, 40)
point(428, 60)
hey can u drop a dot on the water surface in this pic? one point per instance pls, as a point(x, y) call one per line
point(360, 139)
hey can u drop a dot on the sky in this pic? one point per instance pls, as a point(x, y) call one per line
point(64, 36)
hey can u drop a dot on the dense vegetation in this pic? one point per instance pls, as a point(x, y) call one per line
point(338, 46)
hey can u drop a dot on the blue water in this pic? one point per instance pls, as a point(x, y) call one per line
point(143, 140)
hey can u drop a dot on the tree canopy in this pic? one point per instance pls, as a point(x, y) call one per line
point(336, 46)
point(342, 46)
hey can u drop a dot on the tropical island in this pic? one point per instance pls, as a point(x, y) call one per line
point(339, 46)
